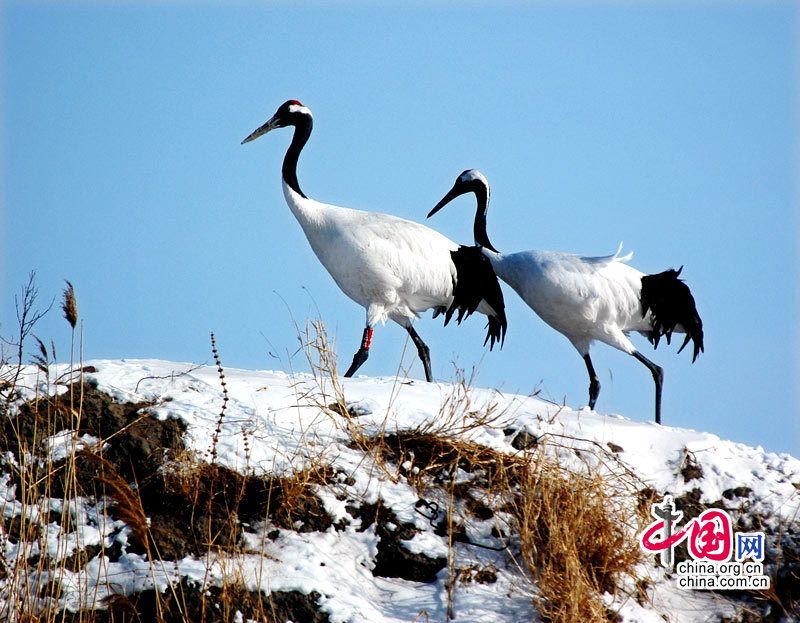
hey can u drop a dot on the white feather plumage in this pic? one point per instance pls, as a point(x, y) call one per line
point(584, 298)
point(394, 268)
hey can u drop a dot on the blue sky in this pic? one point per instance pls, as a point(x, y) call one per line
point(670, 127)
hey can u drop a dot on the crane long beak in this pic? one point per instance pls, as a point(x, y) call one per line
point(454, 192)
point(269, 125)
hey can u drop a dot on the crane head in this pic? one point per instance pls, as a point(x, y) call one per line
point(288, 113)
point(470, 180)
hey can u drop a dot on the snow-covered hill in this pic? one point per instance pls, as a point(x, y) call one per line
point(369, 544)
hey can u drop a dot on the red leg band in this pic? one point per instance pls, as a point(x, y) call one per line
point(366, 341)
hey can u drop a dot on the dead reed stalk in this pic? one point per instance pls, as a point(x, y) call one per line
point(575, 540)
point(225, 398)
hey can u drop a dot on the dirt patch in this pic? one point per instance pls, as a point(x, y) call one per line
point(737, 492)
point(393, 559)
point(522, 439)
point(690, 504)
point(437, 457)
point(188, 602)
point(787, 586)
point(691, 469)
point(174, 504)
point(137, 444)
point(478, 574)
point(207, 506)
point(645, 498)
point(89, 411)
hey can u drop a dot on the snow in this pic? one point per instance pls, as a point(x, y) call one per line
point(63, 444)
point(280, 417)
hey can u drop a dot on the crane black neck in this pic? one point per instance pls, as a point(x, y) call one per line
point(479, 228)
point(302, 130)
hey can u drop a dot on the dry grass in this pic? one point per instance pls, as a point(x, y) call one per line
point(225, 399)
point(128, 504)
point(214, 490)
point(425, 458)
point(574, 540)
point(168, 499)
point(572, 531)
point(32, 577)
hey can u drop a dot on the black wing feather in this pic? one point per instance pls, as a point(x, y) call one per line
point(475, 282)
point(671, 304)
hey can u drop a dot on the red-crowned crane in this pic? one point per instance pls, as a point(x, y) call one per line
point(394, 268)
point(590, 299)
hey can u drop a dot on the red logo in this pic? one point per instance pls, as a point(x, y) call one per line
point(710, 536)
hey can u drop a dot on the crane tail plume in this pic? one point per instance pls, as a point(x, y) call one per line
point(672, 308)
point(475, 283)
point(496, 332)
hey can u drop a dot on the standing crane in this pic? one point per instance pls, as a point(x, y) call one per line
point(590, 299)
point(394, 268)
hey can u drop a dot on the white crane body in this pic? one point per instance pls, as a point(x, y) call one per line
point(590, 299)
point(394, 268)
point(584, 298)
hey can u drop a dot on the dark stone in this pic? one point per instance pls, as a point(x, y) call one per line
point(188, 601)
point(524, 440)
point(691, 470)
point(483, 512)
point(737, 492)
point(394, 560)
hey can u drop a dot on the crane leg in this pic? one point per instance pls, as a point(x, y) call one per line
point(658, 377)
point(361, 354)
point(424, 352)
point(594, 382)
